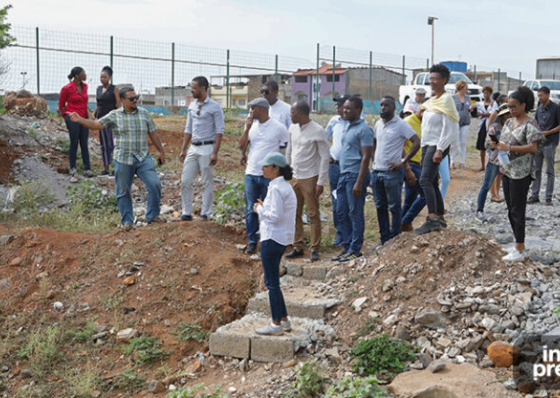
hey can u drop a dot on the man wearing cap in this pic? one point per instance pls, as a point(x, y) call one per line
point(334, 130)
point(308, 154)
point(263, 135)
point(204, 130)
point(279, 110)
point(390, 134)
point(419, 98)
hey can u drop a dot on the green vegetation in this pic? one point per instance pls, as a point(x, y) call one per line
point(308, 382)
point(146, 349)
point(368, 327)
point(43, 350)
point(30, 197)
point(229, 200)
point(83, 335)
point(191, 331)
point(357, 387)
point(64, 144)
point(381, 355)
point(129, 381)
point(198, 391)
point(5, 38)
point(84, 382)
point(85, 195)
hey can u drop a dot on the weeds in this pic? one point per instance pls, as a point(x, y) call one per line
point(32, 196)
point(63, 144)
point(381, 355)
point(86, 195)
point(42, 350)
point(198, 391)
point(228, 201)
point(191, 331)
point(129, 381)
point(84, 383)
point(146, 349)
point(357, 387)
point(84, 335)
point(368, 327)
point(308, 382)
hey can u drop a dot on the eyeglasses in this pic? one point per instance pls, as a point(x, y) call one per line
point(199, 108)
point(135, 98)
point(265, 91)
point(512, 107)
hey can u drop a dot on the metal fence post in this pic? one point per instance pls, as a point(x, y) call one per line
point(520, 78)
point(475, 74)
point(333, 68)
point(276, 68)
point(111, 57)
point(403, 79)
point(38, 68)
point(370, 75)
point(317, 80)
point(227, 80)
point(172, 74)
point(427, 64)
point(499, 76)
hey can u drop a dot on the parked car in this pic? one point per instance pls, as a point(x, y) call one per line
point(423, 80)
point(553, 85)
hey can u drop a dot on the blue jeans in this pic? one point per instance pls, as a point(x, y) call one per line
point(78, 135)
point(146, 171)
point(350, 210)
point(255, 188)
point(414, 200)
point(334, 175)
point(387, 189)
point(271, 254)
point(489, 177)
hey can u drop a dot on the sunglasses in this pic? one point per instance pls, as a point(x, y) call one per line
point(135, 98)
point(265, 91)
point(199, 108)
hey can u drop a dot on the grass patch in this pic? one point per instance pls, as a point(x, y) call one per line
point(198, 391)
point(352, 387)
point(308, 381)
point(228, 201)
point(31, 197)
point(84, 382)
point(368, 327)
point(43, 350)
point(129, 381)
point(381, 355)
point(84, 334)
point(146, 349)
point(191, 331)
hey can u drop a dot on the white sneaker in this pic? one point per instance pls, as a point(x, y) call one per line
point(270, 330)
point(514, 255)
point(286, 326)
point(480, 216)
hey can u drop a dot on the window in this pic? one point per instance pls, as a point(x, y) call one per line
point(336, 78)
point(301, 79)
point(241, 102)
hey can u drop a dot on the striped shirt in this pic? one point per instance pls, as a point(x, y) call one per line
point(129, 131)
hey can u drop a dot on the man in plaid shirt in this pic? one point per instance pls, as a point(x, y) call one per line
point(131, 125)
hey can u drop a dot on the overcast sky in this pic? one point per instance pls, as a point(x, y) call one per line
point(491, 34)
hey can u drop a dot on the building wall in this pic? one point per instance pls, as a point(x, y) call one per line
point(548, 69)
point(182, 96)
point(237, 93)
point(384, 82)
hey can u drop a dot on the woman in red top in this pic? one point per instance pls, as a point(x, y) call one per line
point(74, 98)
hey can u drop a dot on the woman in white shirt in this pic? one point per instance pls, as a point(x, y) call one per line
point(277, 215)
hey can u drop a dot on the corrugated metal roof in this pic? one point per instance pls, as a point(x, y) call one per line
point(323, 70)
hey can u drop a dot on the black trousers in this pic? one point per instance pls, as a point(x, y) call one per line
point(429, 180)
point(515, 192)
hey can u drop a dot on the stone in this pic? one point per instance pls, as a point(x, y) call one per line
point(236, 346)
point(424, 359)
point(129, 280)
point(488, 323)
point(431, 318)
point(4, 240)
point(16, 262)
point(390, 320)
point(402, 334)
point(232, 390)
point(315, 272)
point(155, 387)
point(504, 239)
point(5, 284)
point(526, 387)
point(443, 342)
point(437, 366)
point(244, 365)
point(474, 343)
point(126, 334)
point(502, 354)
point(165, 209)
point(293, 269)
point(26, 373)
point(359, 302)
point(193, 366)
point(58, 306)
point(290, 364)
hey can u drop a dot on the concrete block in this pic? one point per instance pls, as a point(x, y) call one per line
point(293, 269)
point(272, 349)
point(231, 345)
point(315, 272)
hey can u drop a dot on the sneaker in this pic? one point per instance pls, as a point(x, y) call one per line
point(251, 248)
point(431, 224)
point(270, 330)
point(532, 200)
point(349, 257)
point(375, 248)
point(480, 216)
point(157, 220)
point(203, 217)
point(186, 217)
point(442, 222)
point(128, 226)
point(339, 255)
point(73, 171)
point(294, 254)
point(515, 256)
point(89, 174)
point(314, 256)
point(104, 173)
point(548, 202)
point(286, 326)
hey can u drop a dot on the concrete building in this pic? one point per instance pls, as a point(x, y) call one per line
point(182, 96)
point(548, 68)
point(245, 88)
point(500, 82)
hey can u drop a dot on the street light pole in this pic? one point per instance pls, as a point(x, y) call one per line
point(432, 21)
point(23, 74)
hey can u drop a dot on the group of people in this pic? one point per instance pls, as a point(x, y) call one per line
point(416, 150)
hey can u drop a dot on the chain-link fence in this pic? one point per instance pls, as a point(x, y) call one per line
point(161, 72)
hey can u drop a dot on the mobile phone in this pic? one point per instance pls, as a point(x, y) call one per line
point(494, 138)
point(159, 162)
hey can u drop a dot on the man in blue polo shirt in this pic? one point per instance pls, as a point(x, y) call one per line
point(390, 134)
point(355, 155)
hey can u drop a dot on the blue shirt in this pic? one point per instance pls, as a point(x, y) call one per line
point(205, 120)
point(354, 137)
point(334, 129)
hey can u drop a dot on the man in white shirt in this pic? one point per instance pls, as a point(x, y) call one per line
point(263, 135)
point(417, 100)
point(390, 134)
point(308, 154)
point(204, 131)
point(334, 130)
point(279, 110)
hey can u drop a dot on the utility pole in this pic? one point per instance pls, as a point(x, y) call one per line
point(432, 21)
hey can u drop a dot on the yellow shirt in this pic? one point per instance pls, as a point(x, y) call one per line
point(416, 125)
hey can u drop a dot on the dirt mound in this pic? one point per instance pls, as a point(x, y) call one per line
point(23, 103)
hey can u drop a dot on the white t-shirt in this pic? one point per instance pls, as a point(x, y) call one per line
point(263, 139)
point(280, 111)
point(390, 142)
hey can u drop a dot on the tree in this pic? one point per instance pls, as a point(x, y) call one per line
point(5, 38)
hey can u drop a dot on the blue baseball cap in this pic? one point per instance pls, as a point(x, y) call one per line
point(274, 159)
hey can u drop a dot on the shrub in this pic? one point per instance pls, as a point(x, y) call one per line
point(229, 200)
point(129, 381)
point(146, 349)
point(357, 387)
point(191, 331)
point(42, 350)
point(198, 391)
point(31, 196)
point(308, 381)
point(381, 355)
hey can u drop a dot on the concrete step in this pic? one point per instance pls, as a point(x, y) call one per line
point(239, 340)
point(319, 271)
point(301, 302)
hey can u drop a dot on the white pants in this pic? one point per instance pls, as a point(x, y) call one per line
point(198, 160)
point(462, 141)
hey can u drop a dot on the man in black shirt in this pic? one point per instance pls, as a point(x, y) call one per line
point(548, 118)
